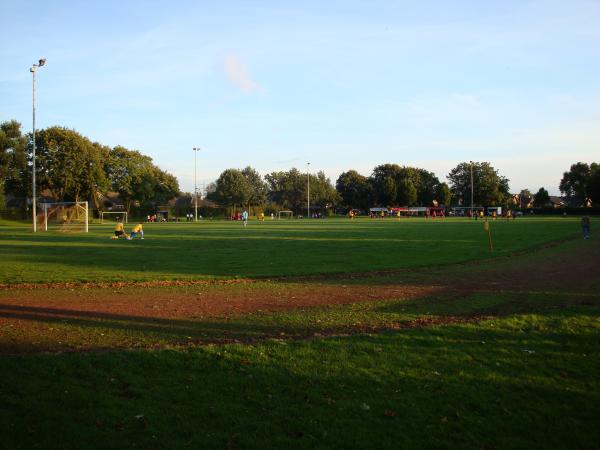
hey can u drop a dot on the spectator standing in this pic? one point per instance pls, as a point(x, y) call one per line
point(585, 226)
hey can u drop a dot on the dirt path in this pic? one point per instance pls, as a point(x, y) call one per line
point(36, 319)
point(547, 269)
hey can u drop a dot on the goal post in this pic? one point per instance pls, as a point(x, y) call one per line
point(65, 216)
point(285, 215)
point(117, 214)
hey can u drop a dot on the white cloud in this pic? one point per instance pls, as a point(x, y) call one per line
point(238, 74)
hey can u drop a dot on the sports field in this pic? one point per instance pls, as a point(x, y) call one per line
point(225, 249)
point(304, 334)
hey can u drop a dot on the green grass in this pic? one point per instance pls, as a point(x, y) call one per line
point(219, 249)
point(501, 366)
point(523, 380)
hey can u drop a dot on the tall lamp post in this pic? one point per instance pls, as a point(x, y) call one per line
point(308, 189)
point(471, 187)
point(196, 150)
point(33, 70)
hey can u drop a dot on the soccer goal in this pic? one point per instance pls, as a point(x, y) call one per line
point(285, 215)
point(65, 216)
point(113, 216)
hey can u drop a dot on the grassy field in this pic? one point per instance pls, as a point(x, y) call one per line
point(495, 354)
point(221, 249)
point(527, 381)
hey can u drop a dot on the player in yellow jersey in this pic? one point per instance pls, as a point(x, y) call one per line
point(120, 230)
point(137, 230)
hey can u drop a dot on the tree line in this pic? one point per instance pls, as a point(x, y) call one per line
point(394, 185)
point(70, 167)
point(73, 168)
point(388, 185)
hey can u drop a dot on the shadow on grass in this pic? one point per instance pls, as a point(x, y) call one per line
point(109, 330)
point(436, 388)
point(172, 328)
point(497, 304)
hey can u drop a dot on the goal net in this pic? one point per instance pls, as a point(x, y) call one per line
point(285, 215)
point(65, 216)
point(113, 216)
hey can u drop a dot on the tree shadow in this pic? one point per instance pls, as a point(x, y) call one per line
point(132, 331)
point(437, 389)
point(495, 303)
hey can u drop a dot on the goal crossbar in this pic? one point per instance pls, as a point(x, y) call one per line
point(117, 213)
point(286, 213)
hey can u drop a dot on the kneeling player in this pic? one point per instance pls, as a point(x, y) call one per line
point(120, 230)
point(138, 229)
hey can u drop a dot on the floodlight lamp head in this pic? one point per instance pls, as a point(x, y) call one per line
point(42, 62)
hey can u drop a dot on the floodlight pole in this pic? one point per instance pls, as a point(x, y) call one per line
point(308, 189)
point(196, 150)
point(471, 187)
point(33, 70)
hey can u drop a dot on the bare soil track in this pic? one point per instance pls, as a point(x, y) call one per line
point(549, 269)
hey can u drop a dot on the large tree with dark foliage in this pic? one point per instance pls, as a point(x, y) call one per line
point(575, 183)
point(594, 184)
point(489, 187)
point(232, 189)
point(392, 184)
point(541, 198)
point(354, 190)
point(69, 165)
point(14, 168)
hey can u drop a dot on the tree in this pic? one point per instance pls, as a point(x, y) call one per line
point(406, 192)
point(232, 189)
point(288, 189)
point(426, 184)
point(129, 175)
point(14, 173)
point(391, 183)
point(354, 190)
point(164, 186)
point(138, 180)
point(69, 165)
point(258, 188)
point(580, 183)
point(574, 183)
point(443, 194)
point(383, 184)
point(322, 193)
point(594, 184)
point(541, 198)
point(489, 188)
point(525, 198)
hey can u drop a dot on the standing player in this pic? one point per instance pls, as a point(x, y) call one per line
point(245, 217)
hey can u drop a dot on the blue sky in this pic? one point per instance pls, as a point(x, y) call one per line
point(342, 84)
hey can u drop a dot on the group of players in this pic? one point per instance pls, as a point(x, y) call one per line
point(137, 230)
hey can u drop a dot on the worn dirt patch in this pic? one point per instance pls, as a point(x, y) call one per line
point(65, 317)
point(196, 303)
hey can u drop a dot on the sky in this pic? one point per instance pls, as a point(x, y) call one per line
point(340, 84)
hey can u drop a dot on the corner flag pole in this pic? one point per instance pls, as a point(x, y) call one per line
point(486, 227)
